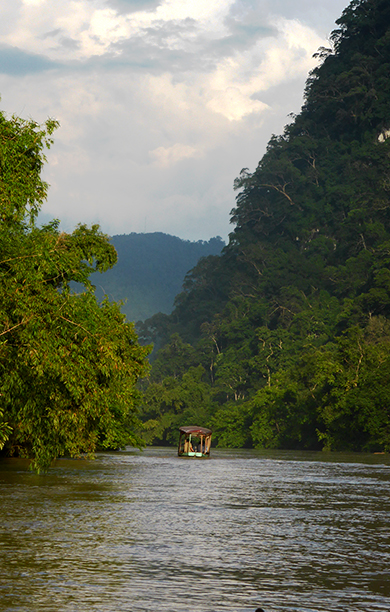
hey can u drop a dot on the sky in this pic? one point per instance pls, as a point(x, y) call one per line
point(161, 103)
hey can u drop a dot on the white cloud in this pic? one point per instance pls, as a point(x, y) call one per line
point(95, 29)
point(33, 2)
point(167, 156)
point(159, 109)
point(234, 105)
point(203, 11)
point(266, 64)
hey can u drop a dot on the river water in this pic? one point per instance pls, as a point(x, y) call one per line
point(132, 532)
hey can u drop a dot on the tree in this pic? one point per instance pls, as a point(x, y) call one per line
point(68, 364)
point(22, 146)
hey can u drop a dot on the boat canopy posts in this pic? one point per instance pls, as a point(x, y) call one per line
point(194, 441)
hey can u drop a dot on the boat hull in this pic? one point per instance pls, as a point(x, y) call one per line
point(194, 455)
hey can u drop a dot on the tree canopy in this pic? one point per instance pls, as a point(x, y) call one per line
point(69, 364)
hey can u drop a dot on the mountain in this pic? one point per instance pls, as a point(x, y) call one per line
point(150, 271)
point(283, 340)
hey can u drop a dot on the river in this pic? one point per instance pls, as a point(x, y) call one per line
point(138, 532)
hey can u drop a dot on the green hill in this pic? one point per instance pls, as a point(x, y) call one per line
point(283, 340)
point(150, 271)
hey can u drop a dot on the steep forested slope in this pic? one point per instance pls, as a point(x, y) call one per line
point(150, 271)
point(284, 339)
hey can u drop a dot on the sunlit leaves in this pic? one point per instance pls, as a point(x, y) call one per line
point(68, 364)
point(22, 145)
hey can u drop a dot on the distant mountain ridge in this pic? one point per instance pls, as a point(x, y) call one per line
point(150, 271)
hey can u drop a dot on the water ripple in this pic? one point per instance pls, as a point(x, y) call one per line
point(139, 532)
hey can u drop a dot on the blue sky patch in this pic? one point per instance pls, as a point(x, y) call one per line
point(15, 62)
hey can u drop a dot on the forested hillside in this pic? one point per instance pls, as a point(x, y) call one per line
point(283, 340)
point(150, 271)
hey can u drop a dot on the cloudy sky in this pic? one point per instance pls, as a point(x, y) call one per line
point(161, 102)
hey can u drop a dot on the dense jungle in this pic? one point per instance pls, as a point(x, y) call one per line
point(283, 340)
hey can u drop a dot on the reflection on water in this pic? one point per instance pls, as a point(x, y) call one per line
point(148, 531)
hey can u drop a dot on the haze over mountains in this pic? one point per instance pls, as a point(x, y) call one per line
point(150, 271)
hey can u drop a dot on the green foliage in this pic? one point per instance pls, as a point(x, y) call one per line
point(350, 387)
point(22, 145)
point(175, 402)
point(230, 425)
point(68, 364)
point(290, 323)
point(5, 430)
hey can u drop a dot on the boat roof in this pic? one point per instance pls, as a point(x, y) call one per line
point(194, 429)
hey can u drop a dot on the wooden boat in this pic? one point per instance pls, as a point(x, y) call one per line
point(194, 441)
